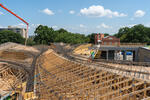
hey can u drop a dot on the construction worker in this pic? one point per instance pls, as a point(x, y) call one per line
point(92, 55)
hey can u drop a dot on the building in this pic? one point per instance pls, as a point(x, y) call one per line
point(111, 41)
point(107, 41)
point(98, 38)
point(21, 31)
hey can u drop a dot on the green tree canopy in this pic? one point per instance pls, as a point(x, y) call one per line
point(136, 34)
point(62, 30)
point(31, 41)
point(9, 36)
point(92, 38)
point(46, 35)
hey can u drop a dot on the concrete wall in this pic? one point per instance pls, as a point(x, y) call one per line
point(143, 55)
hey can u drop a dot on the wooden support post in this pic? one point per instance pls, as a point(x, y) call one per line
point(145, 92)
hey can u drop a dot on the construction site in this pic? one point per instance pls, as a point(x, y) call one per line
point(57, 72)
point(106, 70)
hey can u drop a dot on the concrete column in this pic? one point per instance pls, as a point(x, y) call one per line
point(107, 54)
point(124, 55)
point(115, 57)
point(133, 55)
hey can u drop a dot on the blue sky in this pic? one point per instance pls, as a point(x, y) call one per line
point(82, 16)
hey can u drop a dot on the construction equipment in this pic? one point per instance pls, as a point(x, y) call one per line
point(18, 18)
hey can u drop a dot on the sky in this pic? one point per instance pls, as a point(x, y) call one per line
point(78, 16)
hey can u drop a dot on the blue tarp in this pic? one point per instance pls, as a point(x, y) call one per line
point(127, 53)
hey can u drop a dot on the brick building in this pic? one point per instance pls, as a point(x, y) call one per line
point(108, 40)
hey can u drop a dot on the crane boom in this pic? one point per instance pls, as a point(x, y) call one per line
point(18, 18)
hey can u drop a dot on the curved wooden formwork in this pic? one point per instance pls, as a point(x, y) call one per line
point(57, 78)
point(11, 79)
point(16, 69)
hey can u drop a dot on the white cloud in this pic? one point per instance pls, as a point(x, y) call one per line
point(82, 26)
point(54, 27)
point(99, 11)
point(131, 25)
point(48, 11)
point(72, 12)
point(2, 26)
point(34, 25)
point(20, 25)
point(103, 25)
point(139, 13)
point(1, 13)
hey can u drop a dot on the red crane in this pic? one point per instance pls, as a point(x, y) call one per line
point(18, 18)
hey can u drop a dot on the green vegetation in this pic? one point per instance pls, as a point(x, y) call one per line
point(31, 41)
point(9, 36)
point(136, 34)
point(92, 38)
point(46, 35)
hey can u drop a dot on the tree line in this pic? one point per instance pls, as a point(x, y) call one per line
point(46, 35)
point(136, 34)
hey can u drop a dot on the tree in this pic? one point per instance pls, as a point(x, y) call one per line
point(9, 36)
point(92, 38)
point(106, 34)
point(136, 34)
point(72, 38)
point(31, 41)
point(44, 35)
point(122, 31)
point(62, 30)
